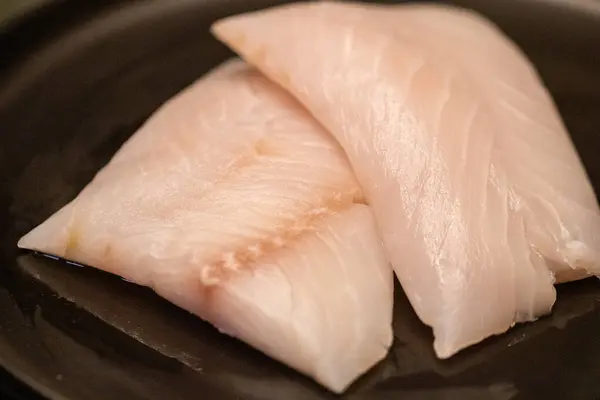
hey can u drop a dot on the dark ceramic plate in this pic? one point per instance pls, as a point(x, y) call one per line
point(76, 79)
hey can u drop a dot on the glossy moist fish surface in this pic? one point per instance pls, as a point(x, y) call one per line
point(478, 192)
point(233, 203)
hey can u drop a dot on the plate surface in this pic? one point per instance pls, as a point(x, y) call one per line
point(77, 80)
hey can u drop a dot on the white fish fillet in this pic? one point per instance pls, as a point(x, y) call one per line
point(479, 195)
point(233, 203)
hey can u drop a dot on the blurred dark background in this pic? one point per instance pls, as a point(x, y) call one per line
point(12, 389)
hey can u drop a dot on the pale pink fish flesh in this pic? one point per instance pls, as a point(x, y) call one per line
point(233, 203)
point(479, 195)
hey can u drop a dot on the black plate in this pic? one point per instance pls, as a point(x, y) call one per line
point(78, 78)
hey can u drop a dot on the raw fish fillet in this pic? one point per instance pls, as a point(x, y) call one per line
point(479, 195)
point(233, 203)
